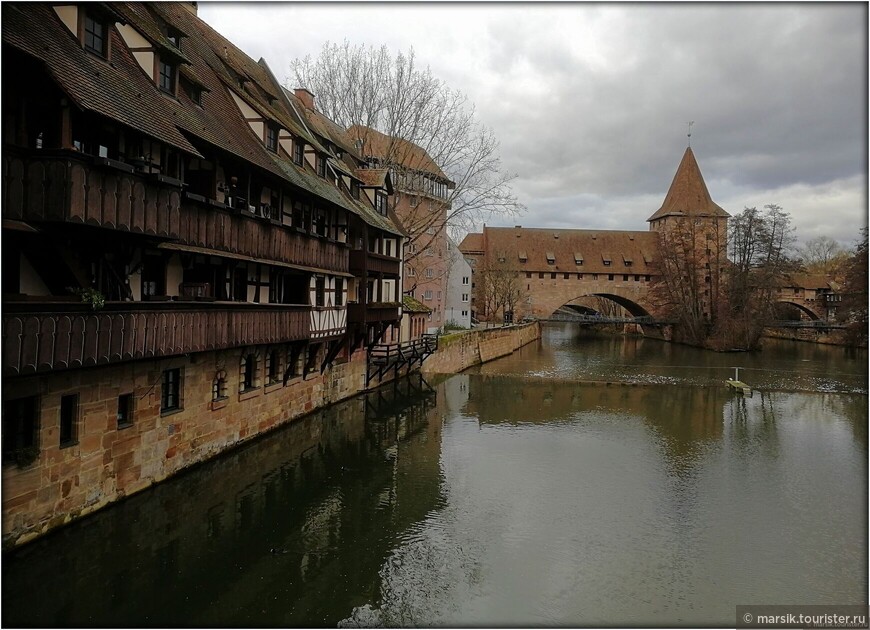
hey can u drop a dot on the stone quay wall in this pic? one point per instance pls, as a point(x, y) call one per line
point(107, 463)
point(462, 350)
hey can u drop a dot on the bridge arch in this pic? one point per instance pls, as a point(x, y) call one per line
point(803, 308)
point(634, 307)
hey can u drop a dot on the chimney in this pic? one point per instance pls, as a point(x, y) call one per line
point(305, 96)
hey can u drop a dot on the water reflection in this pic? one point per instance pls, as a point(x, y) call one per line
point(568, 352)
point(286, 531)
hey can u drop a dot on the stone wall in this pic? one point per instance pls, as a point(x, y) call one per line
point(106, 463)
point(462, 350)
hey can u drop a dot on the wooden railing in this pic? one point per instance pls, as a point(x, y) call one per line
point(55, 336)
point(371, 313)
point(362, 261)
point(76, 188)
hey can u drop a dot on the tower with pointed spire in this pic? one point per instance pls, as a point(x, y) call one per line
point(689, 221)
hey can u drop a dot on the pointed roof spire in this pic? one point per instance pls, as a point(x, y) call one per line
point(688, 194)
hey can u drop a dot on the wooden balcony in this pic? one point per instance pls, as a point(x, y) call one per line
point(372, 313)
point(362, 262)
point(40, 337)
point(65, 186)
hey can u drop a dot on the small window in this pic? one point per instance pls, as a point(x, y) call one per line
point(248, 371)
point(610, 276)
point(578, 258)
point(298, 151)
point(21, 430)
point(429, 272)
point(321, 166)
point(380, 204)
point(464, 297)
point(551, 258)
point(427, 295)
point(625, 278)
point(166, 78)
point(273, 366)
point(69, 414)
point(272, 138)
point(170, 392)
point(339, 291)
point(465, 280)
point(606, 263)
point(95, 35)
point(319, 290)
point(552, 276)
point(219, 386)
point(354, 189)
point(125, 411)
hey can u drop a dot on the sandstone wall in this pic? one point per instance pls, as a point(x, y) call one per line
point(462, 350)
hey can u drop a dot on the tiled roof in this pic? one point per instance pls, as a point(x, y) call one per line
point(594, 247)
point(413, 305)
point(809, 281)
point(473, 242)
point(383, 147)
point(323, 126)
point(118, 90)
point(372, 177)
point(688, 194)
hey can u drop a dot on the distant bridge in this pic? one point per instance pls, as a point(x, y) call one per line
point(647, 320)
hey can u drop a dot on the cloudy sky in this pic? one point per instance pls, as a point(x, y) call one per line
point(590, 102)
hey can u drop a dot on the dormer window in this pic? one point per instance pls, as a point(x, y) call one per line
point(551, 258)
point(166, 77)
point(321, 166)
point(298, 149)
point(354, 189)
point(95, 35)
point(380, 204)
point(272, 138)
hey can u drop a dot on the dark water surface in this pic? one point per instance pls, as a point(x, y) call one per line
point(513, 494)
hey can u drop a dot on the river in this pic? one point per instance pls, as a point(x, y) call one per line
point(582, 481)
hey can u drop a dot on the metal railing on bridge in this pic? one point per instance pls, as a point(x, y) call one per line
point(385, 356)
point(816, 323)
point(602, 319)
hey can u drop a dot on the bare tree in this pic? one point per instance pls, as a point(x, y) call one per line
point(364, 86)
point(760, 246)
point(822, 255)
point(853, 308)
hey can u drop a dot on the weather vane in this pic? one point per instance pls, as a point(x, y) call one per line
point(690, 123)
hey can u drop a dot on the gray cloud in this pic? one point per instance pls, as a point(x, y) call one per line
point(590, 101)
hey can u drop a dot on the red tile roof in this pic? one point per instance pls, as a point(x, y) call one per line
point(394, 150)
point(594, 247)
point(688, 194)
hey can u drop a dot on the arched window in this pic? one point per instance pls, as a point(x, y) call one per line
point(274, 366)
point(249, 376)
point(219, 386)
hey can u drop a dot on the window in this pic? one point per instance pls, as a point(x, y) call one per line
point(578, 258)
point(465, 280)
point(248, 372)
point(566, 276)
point(166, 78)
point(380, 204)
point(298, 151)
point(219, 386)
point(170, 392)
point(21, 430)
point(273, 366)
point(464, 297)
point(625, 278)
point(125, 411)
point(606, 263)
point(412, 271)
point(69, 411)
point(272, 138)
point(439, 295)
point(95, 36)
point(354, 189)
point(321, 166)
point(465, 313)
point(528, 274)
point(540, 275)
point(319, 290)
point(412, 248)
point(339, 292)
point(552, 276)
point(610, 276)
point(551, 258)
point(427, 296)
point(429, 272)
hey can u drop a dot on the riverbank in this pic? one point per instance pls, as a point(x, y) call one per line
point(108, 463)
point(463, 350)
